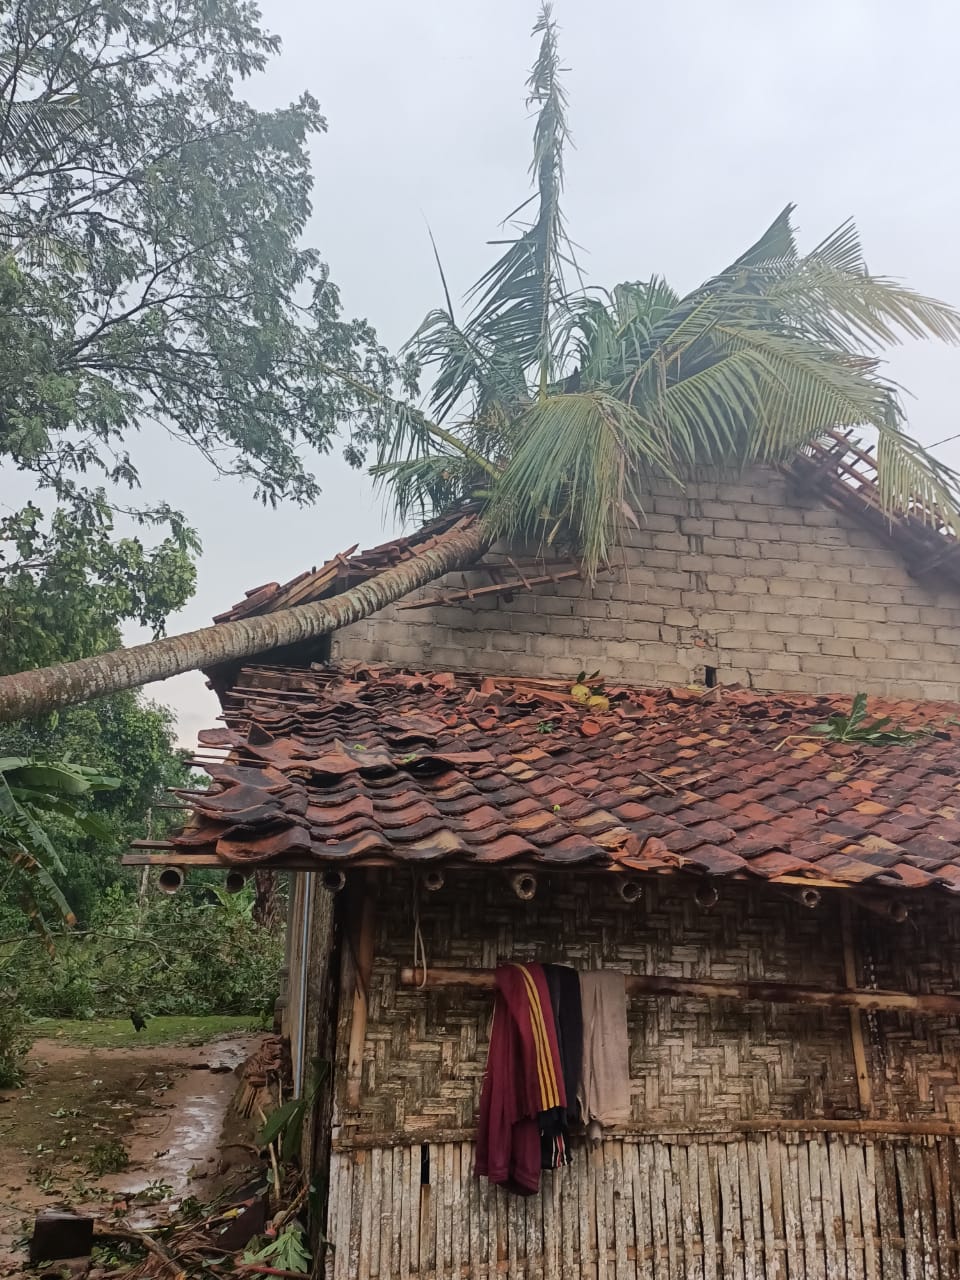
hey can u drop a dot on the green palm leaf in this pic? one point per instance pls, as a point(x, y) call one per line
point(761, 361)
point(580, 462)
point(516, 299)
point(30, 791)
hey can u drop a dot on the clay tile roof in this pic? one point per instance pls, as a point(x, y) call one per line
point(377, 766)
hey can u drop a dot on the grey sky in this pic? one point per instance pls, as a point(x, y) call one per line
point(693, 125)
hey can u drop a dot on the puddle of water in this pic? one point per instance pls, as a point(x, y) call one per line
point(188, 1145)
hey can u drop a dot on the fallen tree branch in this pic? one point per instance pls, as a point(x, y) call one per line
point(126, 1232)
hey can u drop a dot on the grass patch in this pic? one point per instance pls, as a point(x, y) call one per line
point(119, 1032)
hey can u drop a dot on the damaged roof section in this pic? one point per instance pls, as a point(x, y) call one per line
point(837, 470)
point(378, 767)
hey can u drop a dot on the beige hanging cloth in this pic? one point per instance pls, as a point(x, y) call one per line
point(604, 1093)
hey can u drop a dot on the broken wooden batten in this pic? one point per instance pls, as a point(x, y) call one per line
point(637, 984)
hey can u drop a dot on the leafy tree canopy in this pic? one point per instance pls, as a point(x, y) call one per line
point(152, 275)
point(66, 582)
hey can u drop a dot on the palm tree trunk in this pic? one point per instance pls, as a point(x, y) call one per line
point(35, 692)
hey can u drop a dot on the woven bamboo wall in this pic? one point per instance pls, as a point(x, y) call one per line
point(695, 1064)
point(774, 1207)
point(707, 1180)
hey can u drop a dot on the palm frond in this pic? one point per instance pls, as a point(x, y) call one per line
point(854, 309)
point(579, 464)
point(43, 126)
point(465, 366)
point(413, 436)
point(516, 298)
point(913, 482)
point(425, 486)
point(777, 244)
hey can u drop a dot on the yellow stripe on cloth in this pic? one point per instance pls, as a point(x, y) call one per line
point(546, 1074)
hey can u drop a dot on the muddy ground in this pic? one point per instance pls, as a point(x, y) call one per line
point(164, 1106)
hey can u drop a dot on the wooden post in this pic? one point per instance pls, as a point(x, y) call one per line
point(358, 964)
point(864, 1090)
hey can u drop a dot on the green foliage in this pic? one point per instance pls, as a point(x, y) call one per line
point(32, 792)
point(552, 406)
point(14, 1038)
point(857, 728)
point(152, 276)
point(195, 953)
point(67, 583)
point(288, 1252)
point(152, 283)
point(125, 738)
point(286, 1122)
point(108, 1157)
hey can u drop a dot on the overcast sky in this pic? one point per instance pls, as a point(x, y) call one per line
point(693, 126)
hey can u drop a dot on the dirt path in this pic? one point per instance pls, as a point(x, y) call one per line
point(164, 1104)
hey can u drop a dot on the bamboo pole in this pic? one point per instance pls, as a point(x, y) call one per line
point(171, 852)
point(710, 989)
point(864, 1090)
point(361, 960)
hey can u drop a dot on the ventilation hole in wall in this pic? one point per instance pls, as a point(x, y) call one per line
point(425, 1165)
point(710, 677)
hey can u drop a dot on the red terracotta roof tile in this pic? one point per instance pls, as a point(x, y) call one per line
point(380, 765)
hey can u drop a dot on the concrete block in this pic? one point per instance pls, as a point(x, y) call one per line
point(864, 612)
point(835, 648)
point(836, 609)
point(854, 630)
point(803, 644)
point(816, 626)
point(549, 646)
point(668, 597)
point(695, 564)
point(734, 640)
point(719, 547)
point(734, 603)
point(868, 649)
point(941, 690)
point(783, 662)
point(679, 618)
point(821, 517)
point(753, 586)
point(718, 511)
point(787, 623)
point(695, 525)
point(729, 528)
point(768, 532)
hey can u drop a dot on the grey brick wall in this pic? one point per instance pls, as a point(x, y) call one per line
point(741, 574)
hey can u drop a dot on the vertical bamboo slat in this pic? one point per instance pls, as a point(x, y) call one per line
point(708, 1208)
point(851, 1213)
point(921, 1171)
point(817, 1208)
point(867, 1177)
point(748, 1217)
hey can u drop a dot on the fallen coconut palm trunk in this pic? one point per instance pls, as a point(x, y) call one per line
point(32, 693)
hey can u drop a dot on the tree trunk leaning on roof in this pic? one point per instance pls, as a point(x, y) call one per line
point(48, 688)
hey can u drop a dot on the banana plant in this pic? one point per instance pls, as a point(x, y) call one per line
point(34, 796)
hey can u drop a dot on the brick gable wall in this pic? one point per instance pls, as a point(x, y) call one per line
point(741, 574)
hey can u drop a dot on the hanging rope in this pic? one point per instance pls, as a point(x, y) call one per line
point(419, 947)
